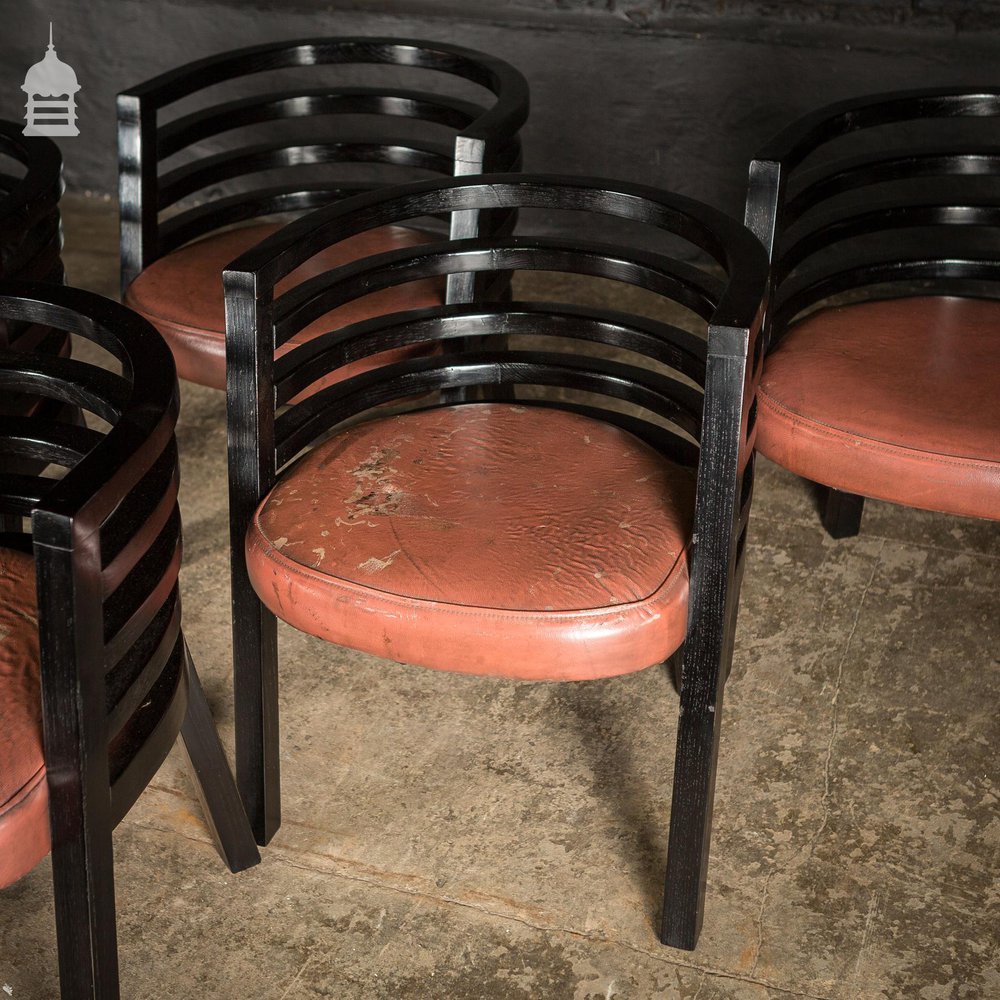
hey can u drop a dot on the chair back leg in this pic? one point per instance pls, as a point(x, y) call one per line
point(220, 801)
point(841, 512)
point(673, 665)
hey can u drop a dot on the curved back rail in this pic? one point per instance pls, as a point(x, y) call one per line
point(898, 212)
point(484, 137)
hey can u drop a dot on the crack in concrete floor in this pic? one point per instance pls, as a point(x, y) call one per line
point(835, 706)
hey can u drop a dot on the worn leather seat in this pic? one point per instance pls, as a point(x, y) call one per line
point(498, 539)
point(181, 295)
point(897, 399)
point(24, 795)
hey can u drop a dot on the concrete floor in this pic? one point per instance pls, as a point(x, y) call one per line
point(462, 838)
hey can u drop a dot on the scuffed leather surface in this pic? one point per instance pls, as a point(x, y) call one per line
point(24, 797)
point(181, 295)
point(495, 539)
point(897, 400)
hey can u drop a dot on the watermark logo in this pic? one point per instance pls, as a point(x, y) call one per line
point(51, 86)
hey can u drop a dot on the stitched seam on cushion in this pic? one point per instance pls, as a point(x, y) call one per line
point(873, 444)
point(24, 791)
point(446, 607)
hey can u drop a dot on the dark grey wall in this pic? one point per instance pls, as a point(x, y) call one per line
point(670, 92)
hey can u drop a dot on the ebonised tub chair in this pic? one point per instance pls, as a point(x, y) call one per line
point(347, 138)
point(891, 203)
point(497, 609)
point(91, 649)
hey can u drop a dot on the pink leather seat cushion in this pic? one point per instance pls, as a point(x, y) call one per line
point(498, 539)
point(24, 796)
point(181, 295)
point(898, 400)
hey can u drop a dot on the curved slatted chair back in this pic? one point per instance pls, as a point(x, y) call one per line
point(30, 189)
point(312, 140)
point(30, 230)
point(30, 238)
point(688, 414)
point(880, 216)
point(98, 564)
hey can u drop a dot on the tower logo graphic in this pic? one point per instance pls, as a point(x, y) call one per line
point(51, 86)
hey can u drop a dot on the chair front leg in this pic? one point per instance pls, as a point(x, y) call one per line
point(255, 678)
point(698, 728)
point(220, 801)
point(84, 891)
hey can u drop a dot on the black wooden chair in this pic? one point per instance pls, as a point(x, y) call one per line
point(91, 649)
point(882, 377)
point(313, 141)
point(465, 487)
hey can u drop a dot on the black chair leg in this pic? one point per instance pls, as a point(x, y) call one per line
point(842, 513)
point(674, 664)
point(255, 679)
point(214, 783)
point(698, 730)
point(84, 892)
